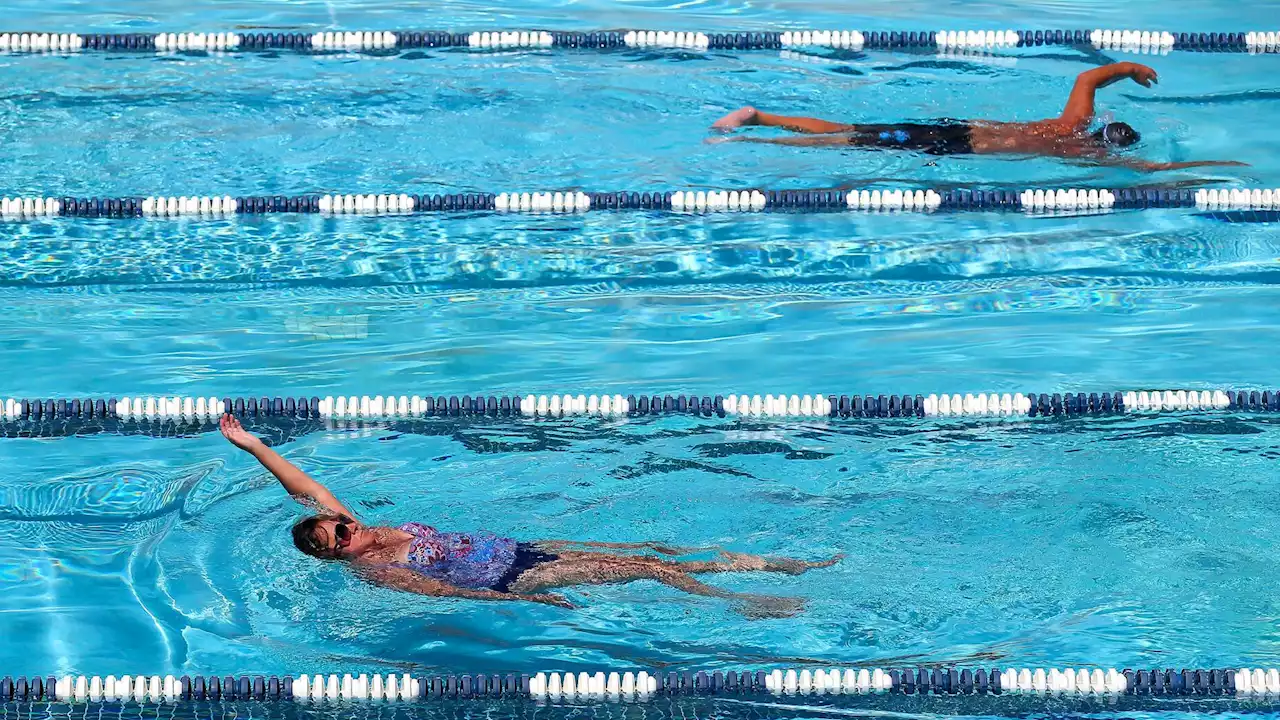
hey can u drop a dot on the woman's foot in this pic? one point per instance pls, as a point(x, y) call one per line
point(788, 566)
point(736, 119)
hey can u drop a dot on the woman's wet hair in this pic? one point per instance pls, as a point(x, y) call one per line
point(311, 539)
point(1118, 134)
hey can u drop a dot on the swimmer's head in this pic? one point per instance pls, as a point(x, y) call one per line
point(1117, 134)
point(329, 537)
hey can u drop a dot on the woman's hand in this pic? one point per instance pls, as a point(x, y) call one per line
point(237, 435)
point(550, 599)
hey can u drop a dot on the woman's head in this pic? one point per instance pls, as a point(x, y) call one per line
point(331, 537)
point(1117, 134)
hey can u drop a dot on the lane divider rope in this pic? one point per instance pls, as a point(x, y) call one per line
point(1037, 201)
point(1243, 682)
point(391, 407)
point(382, 41)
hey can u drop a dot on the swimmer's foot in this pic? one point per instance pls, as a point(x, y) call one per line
point(787, 566)
point(736, 119)
point(763, 607)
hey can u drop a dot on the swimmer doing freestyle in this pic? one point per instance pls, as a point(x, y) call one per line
point(417, 558)
point(1066, 136)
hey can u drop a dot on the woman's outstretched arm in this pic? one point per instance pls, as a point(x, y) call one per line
point(295, 481)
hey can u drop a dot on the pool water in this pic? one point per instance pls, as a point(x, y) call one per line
point(1117, 542)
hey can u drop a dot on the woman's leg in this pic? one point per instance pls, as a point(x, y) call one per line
point(742, 562)
point(660, 548)
point(598, 569)
point(750, 116)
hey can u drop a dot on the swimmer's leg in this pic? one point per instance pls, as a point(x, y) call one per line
point(750, 116)
point(742, 562)
point(753, 606)
point(597, 569)
point(840, 140)
point(657, 547)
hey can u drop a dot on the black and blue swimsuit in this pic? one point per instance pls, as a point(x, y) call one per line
point(942, 138)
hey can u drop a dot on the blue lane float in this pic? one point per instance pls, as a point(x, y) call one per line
point(200, 411)
point(387, 41)
point(639, 684)
point(1249, 204)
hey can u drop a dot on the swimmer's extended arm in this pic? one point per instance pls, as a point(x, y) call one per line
point(407, 580)
point(1079, 110)
point(294, 480)
point(1148, 166)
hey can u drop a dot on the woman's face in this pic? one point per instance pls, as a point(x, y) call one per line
point(341, 536)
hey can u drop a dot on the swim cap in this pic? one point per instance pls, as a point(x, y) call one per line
point(1118, 134)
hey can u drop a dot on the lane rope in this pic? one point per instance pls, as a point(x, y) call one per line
point(386, 41)
point(638, 685)
point(203, 410)
point(1264, 202)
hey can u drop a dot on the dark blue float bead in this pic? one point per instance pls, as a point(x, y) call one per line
point(843, 406)
point(908, 681)
point(681, 404)
point(996, 684)
point(731, 680)
point(242, 691)
point(1058, 38)
point(893, 410)
point(895, 680)
point(1253, 400)
point(938, 681)
point(719, 406)
point(642, 406)
point(60, 409)
point(707, 408)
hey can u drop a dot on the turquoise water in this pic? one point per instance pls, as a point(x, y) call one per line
point(1115, 542)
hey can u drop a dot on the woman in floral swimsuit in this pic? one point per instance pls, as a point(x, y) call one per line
point(418, 558)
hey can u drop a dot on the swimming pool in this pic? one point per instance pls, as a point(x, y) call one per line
point(1118, 541)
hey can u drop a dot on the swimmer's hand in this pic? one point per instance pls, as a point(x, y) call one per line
point(237, 435)
point(1141, 74)
point(549, 599)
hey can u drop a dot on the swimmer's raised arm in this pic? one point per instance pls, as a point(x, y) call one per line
point(1079, 109)
point(407, 580)
point(295, 481)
